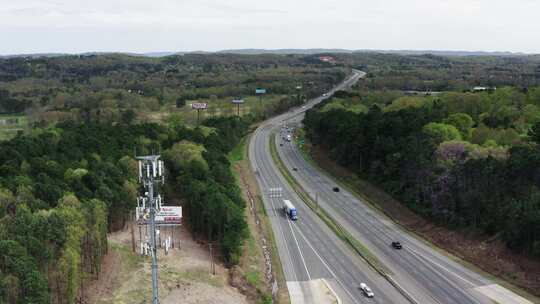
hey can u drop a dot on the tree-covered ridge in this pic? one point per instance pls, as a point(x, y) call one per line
point(462, 159)
point(443, 73)
point(62, 189)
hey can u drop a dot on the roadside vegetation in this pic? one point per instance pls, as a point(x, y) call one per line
point(465, 160)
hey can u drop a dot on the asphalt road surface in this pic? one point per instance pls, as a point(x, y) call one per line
point(426, 275)
point(308, 249)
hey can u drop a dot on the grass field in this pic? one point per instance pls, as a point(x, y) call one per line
point(216, 108)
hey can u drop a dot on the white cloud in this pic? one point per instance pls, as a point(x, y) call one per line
point(28, 26)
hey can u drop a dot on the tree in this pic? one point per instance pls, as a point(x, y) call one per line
point(180, 102)
point(128, 116)
point(440, 132)
point(463, 122)
point(14, 259)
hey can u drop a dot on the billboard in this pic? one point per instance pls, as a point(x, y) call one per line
point(199, 105)
point(260, 91)
point(168, 215)
point(237, 101)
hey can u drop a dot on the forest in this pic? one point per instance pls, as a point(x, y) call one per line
point(62, 189)
point(437, 73)
point(463, 159)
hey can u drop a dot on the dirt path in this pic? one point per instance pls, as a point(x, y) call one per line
point(184, 274)
point(103, 287)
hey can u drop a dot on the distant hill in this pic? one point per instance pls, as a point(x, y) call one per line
point(285, 52)
point(399, 52)
point(442, 53)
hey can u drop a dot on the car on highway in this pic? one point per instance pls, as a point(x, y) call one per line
point(295, 169)
point(335, 189)
point(396, 245)
point(325, 94)
point(366, 290)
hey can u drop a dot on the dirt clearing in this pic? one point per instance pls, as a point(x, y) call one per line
point(184, 275)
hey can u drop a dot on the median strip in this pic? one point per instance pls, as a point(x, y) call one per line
point(327, 218)
point(343, 234)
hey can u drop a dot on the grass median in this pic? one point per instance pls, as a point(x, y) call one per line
point(343, 234)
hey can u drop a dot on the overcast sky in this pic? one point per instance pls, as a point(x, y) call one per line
point(38, 26)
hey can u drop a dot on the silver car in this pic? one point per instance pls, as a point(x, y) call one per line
point(366, 290)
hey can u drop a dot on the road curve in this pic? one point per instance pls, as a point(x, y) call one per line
point(426, 274)
point(308, 249)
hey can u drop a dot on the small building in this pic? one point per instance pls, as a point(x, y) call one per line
point(479, 89)
point(328, 59)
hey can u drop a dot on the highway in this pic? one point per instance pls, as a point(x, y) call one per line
point(427, 275)
point(308, 249)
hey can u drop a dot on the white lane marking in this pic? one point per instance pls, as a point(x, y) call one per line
point(327, 267)
point(442, 278)
point(278, 226)
point(299, 250)
point(439, 265)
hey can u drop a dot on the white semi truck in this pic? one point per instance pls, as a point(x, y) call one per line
point(290, 210)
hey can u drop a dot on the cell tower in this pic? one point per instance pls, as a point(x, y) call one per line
point(151, 173)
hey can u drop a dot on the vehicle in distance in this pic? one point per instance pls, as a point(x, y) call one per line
point(290, 210)
point(289, 137)
point(366, 290)
point(295, 169)
point(335, 189)
point(396, 245)
point(325, 94)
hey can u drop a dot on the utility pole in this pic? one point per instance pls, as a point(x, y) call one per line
point(212, 265)
point(150, 173)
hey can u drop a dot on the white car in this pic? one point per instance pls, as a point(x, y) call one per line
point(367, 291)
point(325, 94)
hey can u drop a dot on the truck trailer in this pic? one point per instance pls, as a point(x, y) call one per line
point(290, 210)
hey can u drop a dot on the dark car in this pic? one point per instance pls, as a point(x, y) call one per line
point(335, 189)
point(295, 169)
point(396, 245)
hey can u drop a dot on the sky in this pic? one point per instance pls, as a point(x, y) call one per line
point(75, 26)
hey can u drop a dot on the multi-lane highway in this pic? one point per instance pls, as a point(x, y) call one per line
point(308, 249)
point(427, 275)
